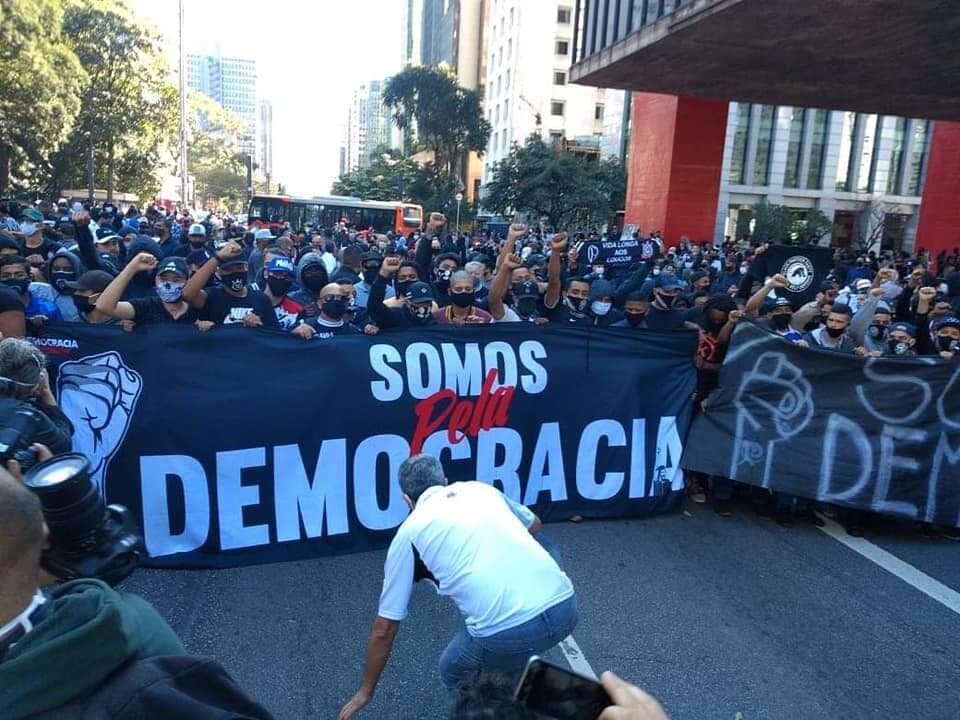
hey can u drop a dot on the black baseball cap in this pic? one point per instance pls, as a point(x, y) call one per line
point(526, 289)
point(92, 281)
point(420, 293)
point(174, 265)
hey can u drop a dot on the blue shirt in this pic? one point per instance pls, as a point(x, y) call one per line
point(41, 306)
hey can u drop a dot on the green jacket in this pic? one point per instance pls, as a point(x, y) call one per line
point(89, 631)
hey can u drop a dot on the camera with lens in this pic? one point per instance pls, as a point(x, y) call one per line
point(89, 538)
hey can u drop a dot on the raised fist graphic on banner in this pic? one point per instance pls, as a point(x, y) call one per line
point(774, 402)
point(98, 393)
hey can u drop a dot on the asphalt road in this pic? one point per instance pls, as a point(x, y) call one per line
point(713, 616)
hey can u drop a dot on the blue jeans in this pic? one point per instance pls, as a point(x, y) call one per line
point(507, 650)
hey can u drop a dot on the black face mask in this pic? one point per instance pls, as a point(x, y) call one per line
point(835, 332)
point(370, 274)
point(313, 283)
point(197, 244)
point(463, 300)
point(578, 305)
point(897, 347)
point(402, 287)
point(443, 277)
point(877, 332)
point(668, 301)
point(235, 282)
point(420, 313)
point(335, 309)
point(83, 304)
point(61, 278)
point(635, 319)
point(780, 322)
point(945, 343)
point(21, 285)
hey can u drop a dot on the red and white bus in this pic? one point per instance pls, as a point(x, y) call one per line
point(274, 211)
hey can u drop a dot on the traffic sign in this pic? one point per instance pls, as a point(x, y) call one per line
point(459, 196)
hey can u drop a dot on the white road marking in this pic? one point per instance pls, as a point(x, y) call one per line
point(946, 596)
point(574, 655)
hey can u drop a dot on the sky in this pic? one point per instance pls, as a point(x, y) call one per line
point(311, 55)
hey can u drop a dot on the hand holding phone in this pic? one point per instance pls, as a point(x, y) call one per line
point(558, 693)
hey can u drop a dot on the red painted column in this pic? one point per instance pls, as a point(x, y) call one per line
point(939, 225)
point(676, 154)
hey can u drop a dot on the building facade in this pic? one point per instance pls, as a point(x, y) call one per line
point(232, 83)
point(528, 50)
point(369, 126)
point(265, 139)
point(865, 172)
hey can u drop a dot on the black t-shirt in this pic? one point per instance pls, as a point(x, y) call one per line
point(671, 319)
point(562, 316)
point(150, 310)
point(326, 331)
point(225, 309)
point(47, 249)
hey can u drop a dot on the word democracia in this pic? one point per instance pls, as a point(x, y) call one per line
point(257, 496)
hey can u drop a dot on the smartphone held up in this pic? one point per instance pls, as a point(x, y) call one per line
point(558, 693)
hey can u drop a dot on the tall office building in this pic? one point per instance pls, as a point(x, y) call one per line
point(412, 28)
point(265, 139)
point(369, 126)
point(232, 83)
point(526, 64)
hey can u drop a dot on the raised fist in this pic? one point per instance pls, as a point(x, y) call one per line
point(778, 281)
point(99, 393)
point(516, 230)
point(559, 242)
point(229, 250)
point(144, 261)
point(774, 398)
point(390, 265)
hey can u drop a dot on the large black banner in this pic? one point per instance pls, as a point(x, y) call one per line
point(240, 446)
point(881, 434)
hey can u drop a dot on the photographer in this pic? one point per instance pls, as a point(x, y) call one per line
point(84, 649)
point(28, 411)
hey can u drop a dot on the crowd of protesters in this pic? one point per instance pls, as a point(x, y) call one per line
point(67, 262)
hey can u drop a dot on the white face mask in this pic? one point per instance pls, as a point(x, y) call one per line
point(743, 269)
point(28, 228)
point(600, 308)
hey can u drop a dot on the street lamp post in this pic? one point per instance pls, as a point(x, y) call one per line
point(459, 197)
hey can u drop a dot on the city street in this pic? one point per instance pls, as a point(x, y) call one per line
point(718, 618)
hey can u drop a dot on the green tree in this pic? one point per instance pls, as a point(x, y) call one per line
point(388, 177)
point(41, 80)
point(128, 117)
point(214, 155)
point(442, 116)
point(565, 189)
point(772, 223)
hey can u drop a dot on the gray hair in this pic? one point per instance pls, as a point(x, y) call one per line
point(418, 473)
point(462, 275)
point(21, 364)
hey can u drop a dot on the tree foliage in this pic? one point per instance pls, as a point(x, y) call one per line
point(781, 224)
point(41, 80)
point(214, 155)
point(566, 189)
point(443, 116)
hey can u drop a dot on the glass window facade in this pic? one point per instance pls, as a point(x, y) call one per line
point(895, 177)
point(818, 147)
point(867, 158)
point(798, 124)
point(738, 156)
point(847, 150)
point(918, 153)
point(765, 133)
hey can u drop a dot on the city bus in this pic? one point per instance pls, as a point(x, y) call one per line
point(274, 211)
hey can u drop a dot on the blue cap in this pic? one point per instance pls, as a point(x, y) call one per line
point(904, 327)
point(945, 321)
point(173, 265)
point(781, 302)
point(419, 293)
point(668, 281)
point(281, 264)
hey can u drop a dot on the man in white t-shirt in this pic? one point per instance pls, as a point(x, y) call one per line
point(477, 546)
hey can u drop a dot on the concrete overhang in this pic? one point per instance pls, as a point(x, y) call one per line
point(878, 56)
